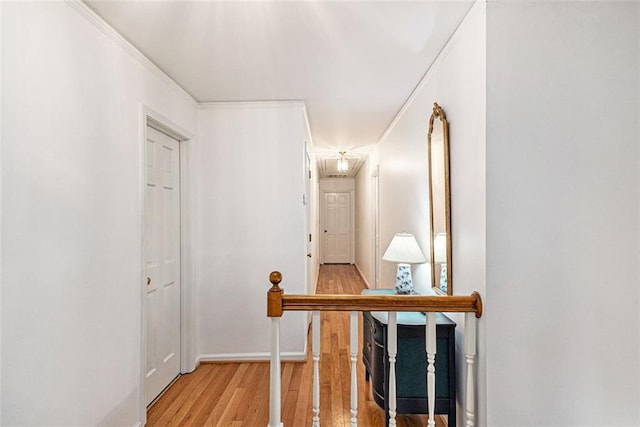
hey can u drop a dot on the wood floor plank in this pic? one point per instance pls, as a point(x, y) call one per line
point(190, 405)
point(249, 383)
point(230, 409)
point(190, 387)
point(204, 406)
point(237, 394)
point(224, 400)
point(304, 395)
point(256, 401)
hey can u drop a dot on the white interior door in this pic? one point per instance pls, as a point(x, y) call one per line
point(162, 262)
point(337, 228)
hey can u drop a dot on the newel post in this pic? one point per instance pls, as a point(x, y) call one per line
point(274, 311)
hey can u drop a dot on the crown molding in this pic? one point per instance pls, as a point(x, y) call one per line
point(453, 39)
point(284, 103)
point(92, 17)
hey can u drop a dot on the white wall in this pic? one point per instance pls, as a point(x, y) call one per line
point(364, 234)
point(251, 222)
point(72, 180)
point(456, 81)
point(562, 213)
point(72, 216)
point(559, 341)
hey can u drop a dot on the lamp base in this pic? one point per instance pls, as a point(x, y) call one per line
point(404, 284)
point(443, 277)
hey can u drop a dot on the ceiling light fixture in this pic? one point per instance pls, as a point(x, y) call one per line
point(343, 162)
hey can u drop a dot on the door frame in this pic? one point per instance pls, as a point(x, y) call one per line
point(375, 216)
point(187, 268)
point(307, 219)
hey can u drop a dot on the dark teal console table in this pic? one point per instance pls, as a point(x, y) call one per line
point(411, 362)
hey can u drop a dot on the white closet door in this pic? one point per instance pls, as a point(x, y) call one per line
point(162, 262)
point(337, 228)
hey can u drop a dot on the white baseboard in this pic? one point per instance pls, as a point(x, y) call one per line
point(362, 276)
point(138, 424)
point(285, 356)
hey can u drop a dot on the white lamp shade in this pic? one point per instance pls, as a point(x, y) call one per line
point(440, 248)
point(404, 249)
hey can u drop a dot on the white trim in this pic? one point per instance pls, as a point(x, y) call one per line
point(188, 361)
point(291, 356)
point(315, 286)
point(94, 19)
point(284, 103)
point(439, 58)
point(142, 184)
point(188, 305)
point(163, 124)
point(306, 122)
point(104, 27)
point(1, 133)
point(374, 197)
point(352, 195)
point(364, 279)
point(1, 199)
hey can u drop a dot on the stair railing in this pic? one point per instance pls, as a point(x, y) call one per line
point(278, 302)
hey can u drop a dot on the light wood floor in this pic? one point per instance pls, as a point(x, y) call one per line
point(237, 394)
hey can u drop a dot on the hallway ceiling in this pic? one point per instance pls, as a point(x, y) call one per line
point(354, 63)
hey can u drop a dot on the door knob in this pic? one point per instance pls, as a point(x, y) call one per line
point(325, 231)
point(309, 255)
point(148, 281)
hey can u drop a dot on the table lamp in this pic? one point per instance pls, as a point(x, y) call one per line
point(440, 257)
point(404, 250)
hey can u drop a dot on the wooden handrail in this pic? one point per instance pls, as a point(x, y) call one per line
point(278, 302)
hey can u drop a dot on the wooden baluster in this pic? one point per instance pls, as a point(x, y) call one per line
point(353, 334)
point(392, 340)
point(470, 353)
point(315, 346)
point(430, 340)
point(274, 388)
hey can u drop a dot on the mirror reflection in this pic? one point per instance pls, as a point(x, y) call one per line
point(439, 201)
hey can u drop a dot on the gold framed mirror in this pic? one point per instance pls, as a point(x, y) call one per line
point(439, 201)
